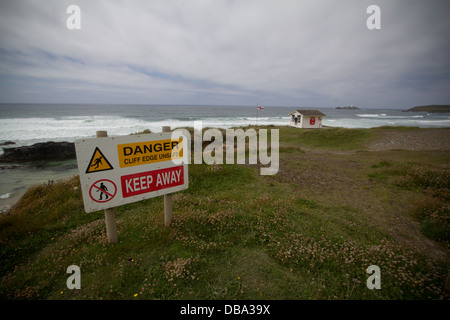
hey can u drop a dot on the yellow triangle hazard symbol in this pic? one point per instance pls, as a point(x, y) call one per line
point(98, 162)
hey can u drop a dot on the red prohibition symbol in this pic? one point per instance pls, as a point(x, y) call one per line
point(103, 191)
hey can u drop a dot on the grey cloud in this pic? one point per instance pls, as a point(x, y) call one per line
point(288, 52)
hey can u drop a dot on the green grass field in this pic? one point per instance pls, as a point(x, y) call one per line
point(308, 232)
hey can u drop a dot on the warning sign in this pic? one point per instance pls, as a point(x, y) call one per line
point(103, 191)
point(115, 171)
point(98, 162)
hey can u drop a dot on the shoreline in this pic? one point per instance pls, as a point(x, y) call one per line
point(16, 179)
point(7, 203)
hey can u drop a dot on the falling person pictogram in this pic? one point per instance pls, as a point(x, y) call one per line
point(97, 162)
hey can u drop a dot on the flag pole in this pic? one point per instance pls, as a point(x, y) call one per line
point(257, 113)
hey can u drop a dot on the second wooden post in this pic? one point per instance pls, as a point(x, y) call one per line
point(167, 197)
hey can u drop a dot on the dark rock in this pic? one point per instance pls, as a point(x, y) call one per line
point(7, 143)
point(40, 151)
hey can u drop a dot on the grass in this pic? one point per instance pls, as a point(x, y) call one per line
point(328, 138)
point(432, 210)
point(309, 232)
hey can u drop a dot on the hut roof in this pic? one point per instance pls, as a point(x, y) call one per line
point(309, 113)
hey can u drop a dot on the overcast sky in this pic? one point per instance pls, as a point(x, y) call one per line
point(315, 53)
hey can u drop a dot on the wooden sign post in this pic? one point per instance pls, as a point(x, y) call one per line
point(110, 215)
point(167, 197)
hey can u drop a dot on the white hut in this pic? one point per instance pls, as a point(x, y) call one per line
point(306, 119)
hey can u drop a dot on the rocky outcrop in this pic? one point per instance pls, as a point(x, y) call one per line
point(348, 108)
point(431, 108)
point(39, 151)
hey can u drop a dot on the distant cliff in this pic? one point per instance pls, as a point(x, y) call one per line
point(431, 108)
point(348, 108)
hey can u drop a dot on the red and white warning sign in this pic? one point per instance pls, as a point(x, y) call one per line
point(103, 191)
point(129, 169)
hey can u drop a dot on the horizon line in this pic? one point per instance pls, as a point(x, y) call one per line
point(201, 105)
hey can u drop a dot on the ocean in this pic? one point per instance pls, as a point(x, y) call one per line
point(26, 124)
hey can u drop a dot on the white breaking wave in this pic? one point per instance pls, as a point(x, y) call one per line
point(385, 116)
point(377, 122)
point(371, 115)
point(27, 131)
point(255, 118)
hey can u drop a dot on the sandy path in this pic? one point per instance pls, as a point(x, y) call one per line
point(424, 139)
